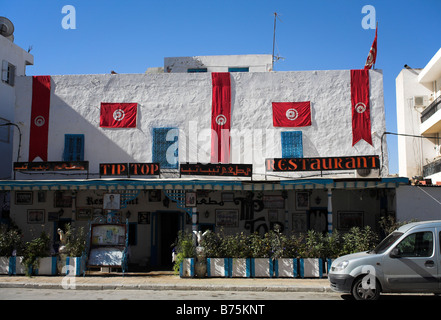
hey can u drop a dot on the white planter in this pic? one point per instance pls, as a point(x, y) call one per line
point(47, 266)
point(73, 266)
point(286, 268)
point(240, 267)
point(4, 265)
point(12, 265)
point(186, 269)
point(311, 267)
point(218, 267)
point(262, 268)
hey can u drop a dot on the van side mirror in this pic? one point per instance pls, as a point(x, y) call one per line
point(395, 253)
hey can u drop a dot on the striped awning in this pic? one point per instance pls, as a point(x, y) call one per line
point(182, 184)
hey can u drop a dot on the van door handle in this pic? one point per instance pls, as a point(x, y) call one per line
point(429, 263)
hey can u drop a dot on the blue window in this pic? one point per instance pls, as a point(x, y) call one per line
point(234, 69)
point(165, 147)
point(292, 144)
point(73, 147)
point(196, 70)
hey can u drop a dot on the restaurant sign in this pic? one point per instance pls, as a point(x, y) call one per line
point(218, 169)
point(52, 166)
point(129, 169)
point(322, 164)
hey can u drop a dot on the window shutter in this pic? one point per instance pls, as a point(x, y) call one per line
point(292, 144)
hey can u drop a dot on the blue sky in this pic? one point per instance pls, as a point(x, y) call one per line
point(130, 36)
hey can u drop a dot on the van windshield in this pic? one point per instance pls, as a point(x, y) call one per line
point(387, 242)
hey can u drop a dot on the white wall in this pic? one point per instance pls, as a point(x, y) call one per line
point(421, 203)
point(184, 100)
point(18, 57)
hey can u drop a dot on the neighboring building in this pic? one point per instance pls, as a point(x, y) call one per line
point(13, 61)
point(226, 63)
point(154, 164)
point(418, 104)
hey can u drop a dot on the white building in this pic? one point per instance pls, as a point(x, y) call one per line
point(418, 102)
point(13, 63)
point(308, 176)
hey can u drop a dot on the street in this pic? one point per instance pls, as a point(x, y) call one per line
point(182, 295)
point(61, 294)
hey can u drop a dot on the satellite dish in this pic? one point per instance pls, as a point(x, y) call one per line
point(6, 27)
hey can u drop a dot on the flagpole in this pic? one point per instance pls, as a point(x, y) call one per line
point(376, 30)
point(274, 41)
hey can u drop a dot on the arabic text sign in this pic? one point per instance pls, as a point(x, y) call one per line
point(226, 170)
point(52, 166)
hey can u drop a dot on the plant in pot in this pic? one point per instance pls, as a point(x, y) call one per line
point(261, 255)
point(286, 251)
point(311, 261)
point(11, 249)
point(332, 247)
point(185, 254)
point(239, 249)
point(216, 253)
point(34, 253)
point(72, 253)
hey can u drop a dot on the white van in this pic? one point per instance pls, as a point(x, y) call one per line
point(407, 260)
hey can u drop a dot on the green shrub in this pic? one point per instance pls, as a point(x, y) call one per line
point(184, 247)
point(35, 249)
point(76, 241)
point(10, 239)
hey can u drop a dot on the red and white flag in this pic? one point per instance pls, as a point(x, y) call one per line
point(118, 115)
point(361, 119)
point(292, 114)
point(220, 117)
point(372, 57)
point(39, 129)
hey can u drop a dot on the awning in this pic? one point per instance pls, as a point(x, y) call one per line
point(182, 184)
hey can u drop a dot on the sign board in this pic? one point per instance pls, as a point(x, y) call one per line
point(322, 164)
point(224, 170)
point(52, 166)
point(129, 169)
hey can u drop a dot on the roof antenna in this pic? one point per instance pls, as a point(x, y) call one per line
point(276, 16)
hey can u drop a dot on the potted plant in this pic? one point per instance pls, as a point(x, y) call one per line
point(285, 252)
point(332, 248)
point(36, 256)
point(11, 248)
point(238, 248)
point(261, 259)
point(73, 255)
point(185, 254)
point(218, 263)
point(311, 263)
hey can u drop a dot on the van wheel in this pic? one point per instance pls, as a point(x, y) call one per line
point(364, 291)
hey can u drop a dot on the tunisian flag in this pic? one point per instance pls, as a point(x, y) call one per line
point(292, 114)
point(39, 129)
point(361, 119)
point(220, 117)
point(118, 115)
point(372, 57)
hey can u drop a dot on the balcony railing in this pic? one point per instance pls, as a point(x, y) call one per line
point(431, 109)
point(432, 168)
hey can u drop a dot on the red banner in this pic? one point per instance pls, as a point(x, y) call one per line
point(291, 114)
point(118, 115)
point(361, 119)
point(39, 128)
point(220, 117)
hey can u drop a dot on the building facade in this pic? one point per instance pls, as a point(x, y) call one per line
point(14, 61)
point(419, 120)
point(285, 149)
